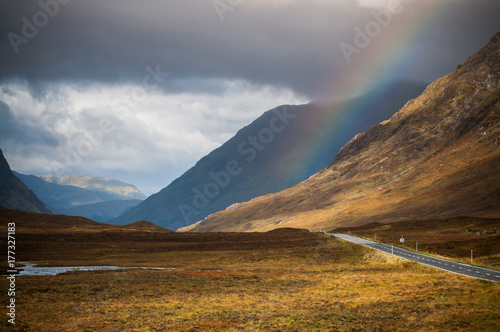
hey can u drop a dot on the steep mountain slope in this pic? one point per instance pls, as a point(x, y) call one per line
point(438, 157)
point(14, 194)
point(281, 148)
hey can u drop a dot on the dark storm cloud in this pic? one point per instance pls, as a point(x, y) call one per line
point(290, 43)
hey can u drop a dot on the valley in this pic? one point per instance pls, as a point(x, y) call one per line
point(283, 279)
point(304, 166)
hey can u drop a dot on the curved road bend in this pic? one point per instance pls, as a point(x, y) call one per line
point(442, 264)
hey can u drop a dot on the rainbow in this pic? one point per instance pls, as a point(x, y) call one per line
point(389, 61)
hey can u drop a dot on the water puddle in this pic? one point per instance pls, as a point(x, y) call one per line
point(31, 269)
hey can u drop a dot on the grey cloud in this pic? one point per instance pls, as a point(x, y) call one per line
point(19, 133)
point(269, 44)
point(294, 46)
point(7, 123)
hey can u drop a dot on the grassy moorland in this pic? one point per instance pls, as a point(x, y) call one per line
point(283, 280)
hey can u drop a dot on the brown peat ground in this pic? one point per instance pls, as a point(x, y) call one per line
point(283, 280)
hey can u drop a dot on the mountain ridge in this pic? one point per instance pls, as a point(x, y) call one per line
point(436, 158)
point(266, 156)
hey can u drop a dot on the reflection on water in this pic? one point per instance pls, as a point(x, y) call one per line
point(32, 270)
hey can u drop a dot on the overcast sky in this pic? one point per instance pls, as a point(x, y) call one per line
point(141, 90)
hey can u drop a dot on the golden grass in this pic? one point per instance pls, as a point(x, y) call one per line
point(278, 281)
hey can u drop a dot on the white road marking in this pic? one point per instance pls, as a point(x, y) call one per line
point(420, 258)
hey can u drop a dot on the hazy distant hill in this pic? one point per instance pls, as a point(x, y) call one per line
point(108, 188)
point(437, 158)
point(284, 146)
point(103, 211)
point(59, 196)
point(14, 194)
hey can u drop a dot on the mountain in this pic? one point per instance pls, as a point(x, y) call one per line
point(281, 148)
point(14, 194)
point(108, 188)
point(102, 212)
point(57, 196)
point(437, 158)
point(71, 191)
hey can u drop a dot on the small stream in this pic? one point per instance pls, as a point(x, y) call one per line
point(31, 269)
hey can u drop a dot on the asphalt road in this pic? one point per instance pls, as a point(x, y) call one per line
point(442, 264)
